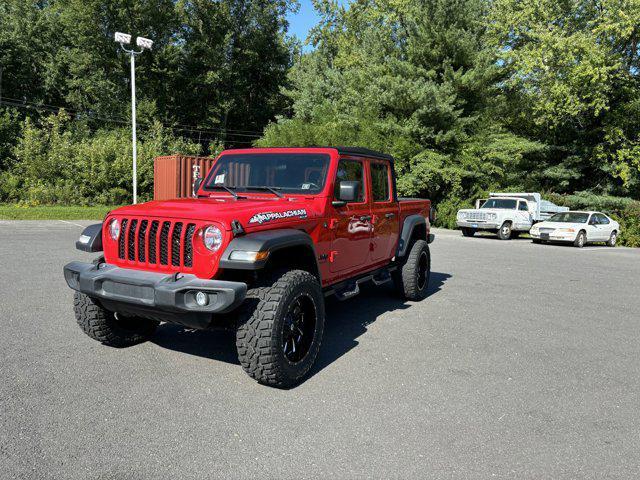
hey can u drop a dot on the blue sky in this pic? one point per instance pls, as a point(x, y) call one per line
point(300, 23)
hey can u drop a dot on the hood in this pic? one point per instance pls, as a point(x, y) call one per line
point(250, 211)
point(481, 210)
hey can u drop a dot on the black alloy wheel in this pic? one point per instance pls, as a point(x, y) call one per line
point(298, 329)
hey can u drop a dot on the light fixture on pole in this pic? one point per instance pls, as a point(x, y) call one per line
point(144, 44)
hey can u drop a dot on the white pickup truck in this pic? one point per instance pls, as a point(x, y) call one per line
point(506, 214)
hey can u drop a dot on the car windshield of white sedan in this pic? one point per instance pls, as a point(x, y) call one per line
point(500, 203)
point(570, 217)
point(276, 172)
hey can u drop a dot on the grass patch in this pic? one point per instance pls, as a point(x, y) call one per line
point(52, 212)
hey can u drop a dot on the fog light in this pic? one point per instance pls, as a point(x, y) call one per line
point(202, 299)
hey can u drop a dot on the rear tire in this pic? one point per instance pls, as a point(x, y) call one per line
point(105, 326)
point(280, 328)
point(581, 239)
point(504, 233)
point(412, 278)
point(468, 232)
point(613, 239)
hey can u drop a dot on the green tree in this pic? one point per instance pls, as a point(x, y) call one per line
point(571, 73)
point(409, 77)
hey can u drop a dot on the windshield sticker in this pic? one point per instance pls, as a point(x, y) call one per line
point(268, 216)
point(219, 179)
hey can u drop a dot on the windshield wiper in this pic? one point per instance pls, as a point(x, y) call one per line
point(273, 190)
point(228, 189)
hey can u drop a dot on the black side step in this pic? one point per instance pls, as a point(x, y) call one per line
point(348, 291)
point(351, 288)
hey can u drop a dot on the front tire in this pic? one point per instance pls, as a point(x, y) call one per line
point(280, 328)
point(106, 327)
point(581, 239)
point(412, 279)
point(504, 233)
point(613, 238)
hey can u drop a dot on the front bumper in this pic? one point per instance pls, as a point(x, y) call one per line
point(478, 225)
point(554, 237)
point(154, 295)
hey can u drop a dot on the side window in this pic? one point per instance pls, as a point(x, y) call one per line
point(380, 181)
point(350, 170)
point(523, 206)
point(594, 220)
point(602, 220)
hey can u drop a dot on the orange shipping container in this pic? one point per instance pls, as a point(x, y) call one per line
point(173, 175)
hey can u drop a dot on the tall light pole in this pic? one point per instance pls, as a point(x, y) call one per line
point(144, 44)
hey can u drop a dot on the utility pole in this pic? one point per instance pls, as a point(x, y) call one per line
point(144, 44)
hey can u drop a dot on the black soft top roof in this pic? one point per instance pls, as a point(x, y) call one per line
point(364, 152)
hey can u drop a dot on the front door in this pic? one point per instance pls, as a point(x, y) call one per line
point(524, 219)
point(351, 223)
point(384, 210)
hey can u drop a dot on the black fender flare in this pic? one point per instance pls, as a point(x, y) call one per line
point(409, 225)
point(90, 239)
point(270, 241)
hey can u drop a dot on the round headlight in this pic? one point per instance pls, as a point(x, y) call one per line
point(114, 229)
point(212, 238)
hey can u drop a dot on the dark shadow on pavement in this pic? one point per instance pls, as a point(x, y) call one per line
point(345, 322)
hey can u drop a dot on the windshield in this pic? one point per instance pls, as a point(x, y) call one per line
point(570, 217)
point(281, 172)
point(500, 203)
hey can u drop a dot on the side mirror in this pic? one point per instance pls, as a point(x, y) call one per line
point(348, 193)
point(196, 186)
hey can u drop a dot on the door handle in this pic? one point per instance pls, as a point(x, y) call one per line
point(390, 215)
point(365, 218)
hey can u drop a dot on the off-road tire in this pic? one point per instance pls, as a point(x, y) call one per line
point(407, 277)
point(468, 232)
point(613, 239)
point(504, 232)
point(103, 326)
point(581, 239)
point(262, 317)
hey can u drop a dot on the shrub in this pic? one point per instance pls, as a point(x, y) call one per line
point(62, 161)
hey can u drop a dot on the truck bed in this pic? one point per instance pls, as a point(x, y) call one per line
point(412, 206)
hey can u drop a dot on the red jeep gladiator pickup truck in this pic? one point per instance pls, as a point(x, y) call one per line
point(271, 233)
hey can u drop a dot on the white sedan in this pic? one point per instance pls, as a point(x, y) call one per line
point(578, 228)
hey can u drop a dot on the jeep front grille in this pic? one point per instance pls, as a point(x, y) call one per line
point(154, 242)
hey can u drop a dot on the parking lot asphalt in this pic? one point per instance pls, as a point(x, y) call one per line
point(522, 363)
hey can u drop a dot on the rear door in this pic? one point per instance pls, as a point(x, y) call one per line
point(351, 223)
point(604, 227)
point(384, 211)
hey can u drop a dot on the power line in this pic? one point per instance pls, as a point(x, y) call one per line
point(13, 102)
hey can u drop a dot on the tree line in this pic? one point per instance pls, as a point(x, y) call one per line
point(469, 95)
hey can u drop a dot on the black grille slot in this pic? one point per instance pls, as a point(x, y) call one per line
point(142, 252)
point(188, 245)
point(123, 230)
point(153, 235)
point(175, 244)
point(131, 247)
point(164, 243)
